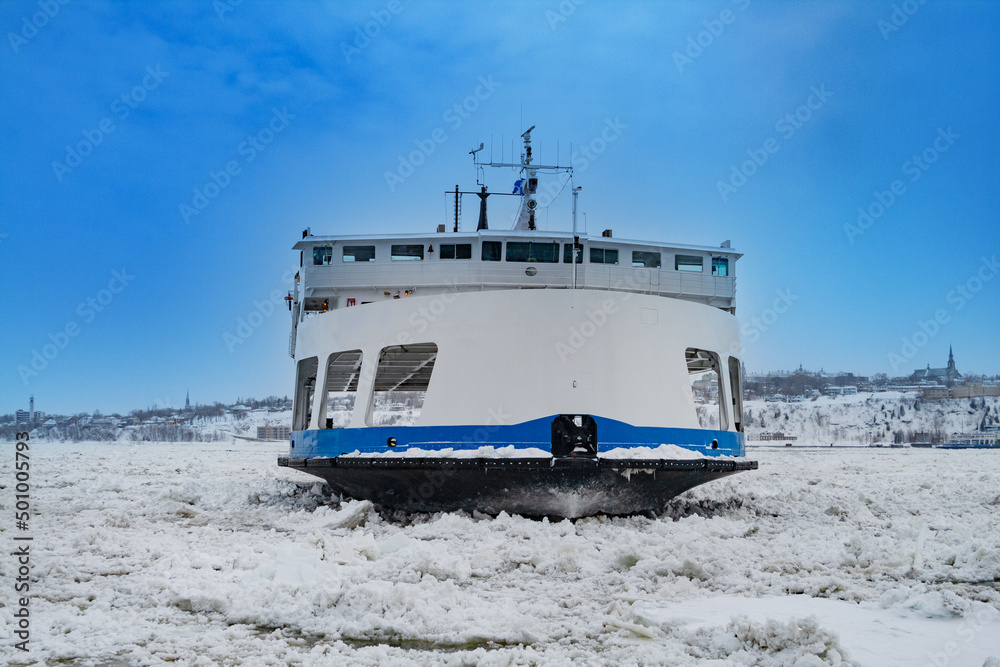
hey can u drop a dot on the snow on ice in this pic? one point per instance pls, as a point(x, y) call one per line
point(208, 553)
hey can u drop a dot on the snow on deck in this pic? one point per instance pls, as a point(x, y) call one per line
point(663, 452)
point(208, 553)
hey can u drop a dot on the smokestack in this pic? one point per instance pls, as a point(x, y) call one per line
point(31, 409)
point(482, 210)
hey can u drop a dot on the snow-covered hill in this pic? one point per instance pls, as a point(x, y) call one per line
point(843, 420)
point(867, 418)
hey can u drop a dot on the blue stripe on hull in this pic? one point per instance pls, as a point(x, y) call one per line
point(534, 433)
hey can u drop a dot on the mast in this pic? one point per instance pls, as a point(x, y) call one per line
point(527, 185)
point(526, 216)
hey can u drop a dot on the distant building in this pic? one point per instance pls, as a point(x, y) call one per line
point(274, 432)
point(936, 393)
point(948, 375)
point(23, 417)
point(966, 390)
point(777, 435)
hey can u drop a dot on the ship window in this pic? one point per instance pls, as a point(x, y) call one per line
point(688, 263)
point(305, 390)
point(706, 393)
point(736, 387)
point(568, 253)
point(342, 372)
point(529, 251)
point(407, 252)
point(492, 251)
point(720, 266)
point(456, 251)
point(603, 255)
point(401, 381)
point(359, 253)
point(322, 255)
point(649, 260)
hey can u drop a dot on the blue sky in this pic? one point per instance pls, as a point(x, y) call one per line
point(115, 116)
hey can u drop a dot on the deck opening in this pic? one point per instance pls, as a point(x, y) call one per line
point(402, 377)
point(736, 388)
point(343, 370)
point(706, 392)
point(305, 390)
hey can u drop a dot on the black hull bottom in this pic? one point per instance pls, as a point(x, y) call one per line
point(568, 488)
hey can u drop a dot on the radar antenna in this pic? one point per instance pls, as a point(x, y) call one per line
point(526, 185)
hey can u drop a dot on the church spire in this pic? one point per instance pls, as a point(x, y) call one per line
point(951, 359)
point(187, 400)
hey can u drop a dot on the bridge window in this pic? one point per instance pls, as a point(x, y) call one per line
point(407, 252)
point(530, 251)
point(342, 372)
point(359, 253)
point(401, 381)
point(736, 387)
point(603, 255)
point(492, 251)
point(568, 253)
point(720, 266)
point(305, 390)
point(704, 371)
point(456, 251)
point(322, 255)
point(688, 263)
point(649, 260)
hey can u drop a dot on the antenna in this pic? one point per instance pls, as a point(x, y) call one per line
point(479, 170)
point(526, 186)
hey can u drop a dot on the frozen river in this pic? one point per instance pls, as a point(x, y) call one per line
point(204, 554)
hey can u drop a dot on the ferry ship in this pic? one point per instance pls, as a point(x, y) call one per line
point(985, 439)
point(545, 373)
